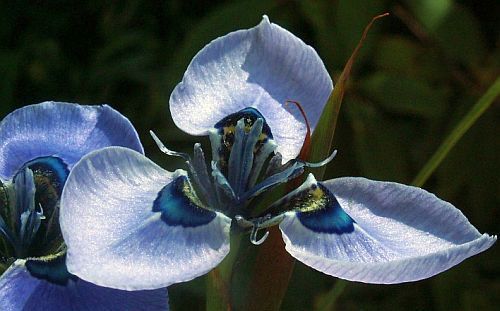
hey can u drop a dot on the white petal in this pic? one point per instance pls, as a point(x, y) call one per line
point(401, 234)
point(115, 238)
point(261, 67)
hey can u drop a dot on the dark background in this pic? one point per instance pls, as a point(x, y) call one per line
point(419, 72)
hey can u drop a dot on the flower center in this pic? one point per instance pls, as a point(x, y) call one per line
point(29, 206)
point(244, 166)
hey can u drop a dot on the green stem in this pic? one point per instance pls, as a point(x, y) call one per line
point(218, 292)
point(331, 297)
point(463, 126)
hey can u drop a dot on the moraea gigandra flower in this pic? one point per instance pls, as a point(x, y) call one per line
point(130, 224)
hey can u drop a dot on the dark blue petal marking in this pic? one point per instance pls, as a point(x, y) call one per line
point(321, 212)
point(179, 205)
point(53, 270)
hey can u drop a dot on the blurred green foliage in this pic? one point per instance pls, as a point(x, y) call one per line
point(418, 73)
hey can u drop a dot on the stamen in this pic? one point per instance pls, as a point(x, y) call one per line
point(40, 214)
point(167, 151)
point(324, 162)
point(222, 184)
point(197, 172)
point(201, 178)
point(30, 218)
point(275, 164)
point(253, 236)
point(294, 170)
point(259, 161)
point(241, 159)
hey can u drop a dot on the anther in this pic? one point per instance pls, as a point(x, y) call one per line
point(167, 151)
point(40, 214)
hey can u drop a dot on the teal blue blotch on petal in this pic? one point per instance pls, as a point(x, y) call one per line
point(328, 216)
point(179, 205)
point(53, 270)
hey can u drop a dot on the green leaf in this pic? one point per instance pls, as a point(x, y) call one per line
point(338, 25)
point(320, 14)
point(350, 20)
point(323, 134)
point(396, 53)
point(380, 150)
point(460, 37)
point(462, 127)
point(124, 57)
point(399, 55)
point(405, 95)
point(470, 171)
point(431, 13)
point(453, 27)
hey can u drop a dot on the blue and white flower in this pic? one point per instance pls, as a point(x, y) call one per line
point(39, 145)
point(130, 224)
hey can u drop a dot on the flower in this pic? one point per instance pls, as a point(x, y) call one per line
point(39, 145)
point(157, 227)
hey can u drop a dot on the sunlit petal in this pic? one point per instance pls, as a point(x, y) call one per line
point(397, 234)
point(261, 67)
point(129, 224)
point(62, 130)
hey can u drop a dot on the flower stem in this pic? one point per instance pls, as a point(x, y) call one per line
point(328, 302)
point(218, 292)
point(462, 127)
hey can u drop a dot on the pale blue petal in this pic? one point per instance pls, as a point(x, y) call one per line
point(16, 286)
point(261, 67)
point(19, 290)
point(63, 130)
point(126, 229)
point(401, 234)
